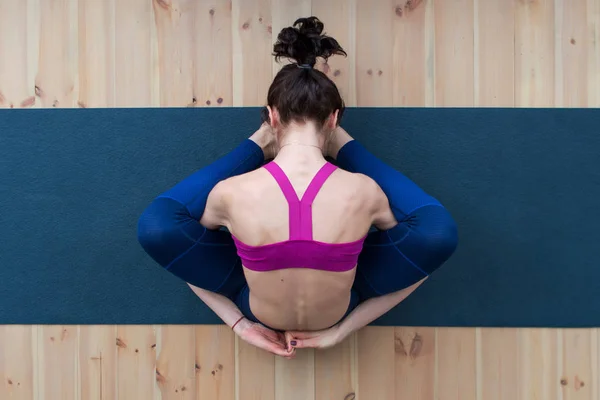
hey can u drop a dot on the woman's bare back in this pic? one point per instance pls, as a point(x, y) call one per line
point(299, 298)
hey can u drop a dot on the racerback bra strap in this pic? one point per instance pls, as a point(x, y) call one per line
point(300, 211)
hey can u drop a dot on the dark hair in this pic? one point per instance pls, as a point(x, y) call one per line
point(299, 92)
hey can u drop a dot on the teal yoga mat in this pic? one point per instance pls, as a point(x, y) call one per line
point(522, 184)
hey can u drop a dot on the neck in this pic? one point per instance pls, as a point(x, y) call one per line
point(301, 143)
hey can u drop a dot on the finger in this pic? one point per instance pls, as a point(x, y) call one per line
point(277, 348)
point(271, 334)
point(307, 343)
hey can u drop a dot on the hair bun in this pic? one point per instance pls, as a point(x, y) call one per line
point(304, 42)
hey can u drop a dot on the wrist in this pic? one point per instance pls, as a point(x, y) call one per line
point(241, 326)
point(339, 140)
point(263, 138)
point(340, 333)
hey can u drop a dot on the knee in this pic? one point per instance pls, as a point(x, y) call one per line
point(161, 231)
point(433, 238)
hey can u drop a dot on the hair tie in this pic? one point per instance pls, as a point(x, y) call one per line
point(305, 66)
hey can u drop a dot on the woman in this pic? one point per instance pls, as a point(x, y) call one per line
point(300, 256)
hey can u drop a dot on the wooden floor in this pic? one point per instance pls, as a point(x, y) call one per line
point(442, 53)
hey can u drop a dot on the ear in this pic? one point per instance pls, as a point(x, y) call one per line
point(333, 119)
point(273, 117)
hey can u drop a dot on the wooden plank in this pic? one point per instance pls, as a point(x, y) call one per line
point(456, 364)
point(595, 354)
point(56, 84)
point(211, 48)
point(255, 372)
point(499, 356)
point(572, 50)
point(593, 31)
point(339, 18)
point(376, 363)
point(540, 353)
point(577, 369)
point(410, 52)
point(96, 53)
point(58, 362)
point(494, 53)
point(175, 29)
point(534, 53)
point(335, 371)
point(16, 362)
point(284, 13)
point(136, 74)
point(454, 57)
point(374, 53)
point(215, 363)
point(415, 353)
point(295, 379)
point(175, 363)
point(252, 46)
point(15, 90)
point(98, 362)
point(136, 369)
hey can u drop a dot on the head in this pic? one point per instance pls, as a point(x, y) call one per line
point(300, 93)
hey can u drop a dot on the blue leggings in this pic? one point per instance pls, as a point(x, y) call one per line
point(391, 260)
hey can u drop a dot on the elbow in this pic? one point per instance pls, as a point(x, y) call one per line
point(161, 231)
point(444, 240)
point(152, 232)
point(438, 237)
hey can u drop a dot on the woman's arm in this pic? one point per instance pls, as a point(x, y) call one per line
point(252, 333)
point(221, 305)
point(372, 309)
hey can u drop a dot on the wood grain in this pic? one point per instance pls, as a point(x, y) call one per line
point(454, 53)
point(374, 53)
point(456, 364)
point(255, 373)
point(415, 354)
point(15, 90)
point(16, 363)
point(494, 53)
point(98, 362)
point(295, 379)
point(213, 70)
point(499, 364)
point(58, 360)
point(56, 83)
point(339, 18)
point(534, 53)
point(136, 372)
point(215, 363)
point(136, 55)
point(412, 66)
point(175, 362)
point(376, 363)
point(335, 370)
point(252, 46)
point(96, 53)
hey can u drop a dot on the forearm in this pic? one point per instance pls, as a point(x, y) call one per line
point(220, 305)
point(374, 308)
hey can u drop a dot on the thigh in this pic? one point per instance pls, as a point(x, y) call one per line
point(383, 268)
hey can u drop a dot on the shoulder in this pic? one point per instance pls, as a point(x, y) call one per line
point(238, 186)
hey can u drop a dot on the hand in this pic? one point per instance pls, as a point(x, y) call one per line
point(323, 339)
point(265, 138)
point(264, 338)
point(336, 140)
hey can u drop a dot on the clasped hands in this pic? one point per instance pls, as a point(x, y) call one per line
point(284, 344)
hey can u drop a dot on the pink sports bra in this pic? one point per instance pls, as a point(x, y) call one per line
point(300, 250)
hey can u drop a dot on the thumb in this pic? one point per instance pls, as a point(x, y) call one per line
point(301, 340)
point(307, 343)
